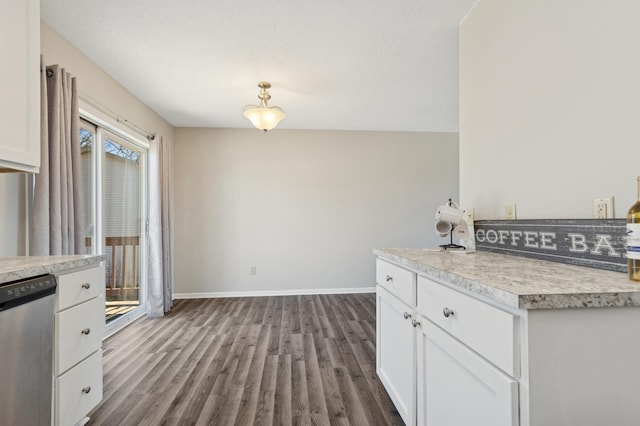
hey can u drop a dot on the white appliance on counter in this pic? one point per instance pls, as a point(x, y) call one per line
point(452, 221)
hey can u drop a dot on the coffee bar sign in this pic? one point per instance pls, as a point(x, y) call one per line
point(596, 243)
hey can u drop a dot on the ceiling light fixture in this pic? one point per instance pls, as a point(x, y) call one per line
point(263, 116)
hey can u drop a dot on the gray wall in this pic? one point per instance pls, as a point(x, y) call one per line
point(549, 106)
point(13, 226)
point(304, 207)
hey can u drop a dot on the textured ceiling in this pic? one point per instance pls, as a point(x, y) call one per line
point(342, 65)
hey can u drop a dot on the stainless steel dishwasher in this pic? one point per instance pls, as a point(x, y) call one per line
point(26, 351)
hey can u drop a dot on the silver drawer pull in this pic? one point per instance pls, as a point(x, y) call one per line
point(388, 278)
point(447, 312)
point(86, 286)
point(86, 389)
point(407, 315)
point(85, 331)
point(415, 323)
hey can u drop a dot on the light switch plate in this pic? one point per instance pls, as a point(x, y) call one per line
point(510, 211)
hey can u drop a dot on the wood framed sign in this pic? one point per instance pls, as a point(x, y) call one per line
point(595, 243)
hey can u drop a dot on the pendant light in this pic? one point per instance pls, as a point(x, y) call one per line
point(263, 116)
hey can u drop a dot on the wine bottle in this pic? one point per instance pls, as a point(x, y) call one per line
point(633, 239)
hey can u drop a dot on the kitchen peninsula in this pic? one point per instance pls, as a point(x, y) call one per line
point(486, 338)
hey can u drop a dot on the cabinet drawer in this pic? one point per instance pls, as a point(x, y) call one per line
point(486, 329)
point(76, 287)
point(79, 390)
point(78, 333)
point(399, 281)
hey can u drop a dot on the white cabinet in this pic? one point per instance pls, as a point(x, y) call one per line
point(20, 85)
point(79, 324)
point(457, 387)
point(396, 336)
point(481, 360)
point(445, 358)
point(395, 357)
point(465, 350)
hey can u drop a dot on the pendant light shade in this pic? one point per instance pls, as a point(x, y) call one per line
point(263, 116)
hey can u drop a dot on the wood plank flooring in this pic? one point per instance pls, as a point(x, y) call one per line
point(286, 360)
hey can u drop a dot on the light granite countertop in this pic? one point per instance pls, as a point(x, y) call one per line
point(520, 282)
point(21, 267)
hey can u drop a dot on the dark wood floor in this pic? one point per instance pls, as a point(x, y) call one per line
point(290, 360)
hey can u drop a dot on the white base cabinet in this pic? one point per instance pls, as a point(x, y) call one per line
point(79, 325)
point(471, 361)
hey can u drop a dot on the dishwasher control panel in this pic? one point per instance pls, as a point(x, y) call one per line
point(17, 292)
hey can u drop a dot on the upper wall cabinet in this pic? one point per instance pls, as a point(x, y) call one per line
point(20, 86)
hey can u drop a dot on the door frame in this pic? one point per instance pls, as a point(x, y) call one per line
point(110, 125)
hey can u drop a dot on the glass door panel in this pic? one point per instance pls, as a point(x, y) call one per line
point(123, 210)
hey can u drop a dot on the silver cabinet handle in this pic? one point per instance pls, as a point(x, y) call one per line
point(447, 312)
point(407, 315)
point(86, 286)
point(388, 278)
point(85, 331)
point(415, 323)
point(86, 389)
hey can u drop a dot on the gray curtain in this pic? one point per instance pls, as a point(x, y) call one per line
point(57, 226)
point(160, 299)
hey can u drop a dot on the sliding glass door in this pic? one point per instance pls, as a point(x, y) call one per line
point(116, 216)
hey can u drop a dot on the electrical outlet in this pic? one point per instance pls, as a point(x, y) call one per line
point(510, 211)
point(603, 208)
point(253, 271)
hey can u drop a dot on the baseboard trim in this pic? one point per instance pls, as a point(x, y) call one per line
point(298, 292)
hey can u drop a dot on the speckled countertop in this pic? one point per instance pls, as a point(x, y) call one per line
point(520, 282)
point(20, 267)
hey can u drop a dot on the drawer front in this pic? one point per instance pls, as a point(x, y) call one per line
point(78, 333)
point(486, 329)
point(78, 391)
point(399, 281)
point(77, 287)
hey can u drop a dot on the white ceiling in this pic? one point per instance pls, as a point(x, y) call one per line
point(333, 64)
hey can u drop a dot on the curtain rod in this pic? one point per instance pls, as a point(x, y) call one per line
point(88, 99)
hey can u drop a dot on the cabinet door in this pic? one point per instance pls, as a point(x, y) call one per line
point(19, 85)
point(395, 353)
point(457, 387)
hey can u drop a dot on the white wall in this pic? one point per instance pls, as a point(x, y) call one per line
point(549, 106)
point(304, 207)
